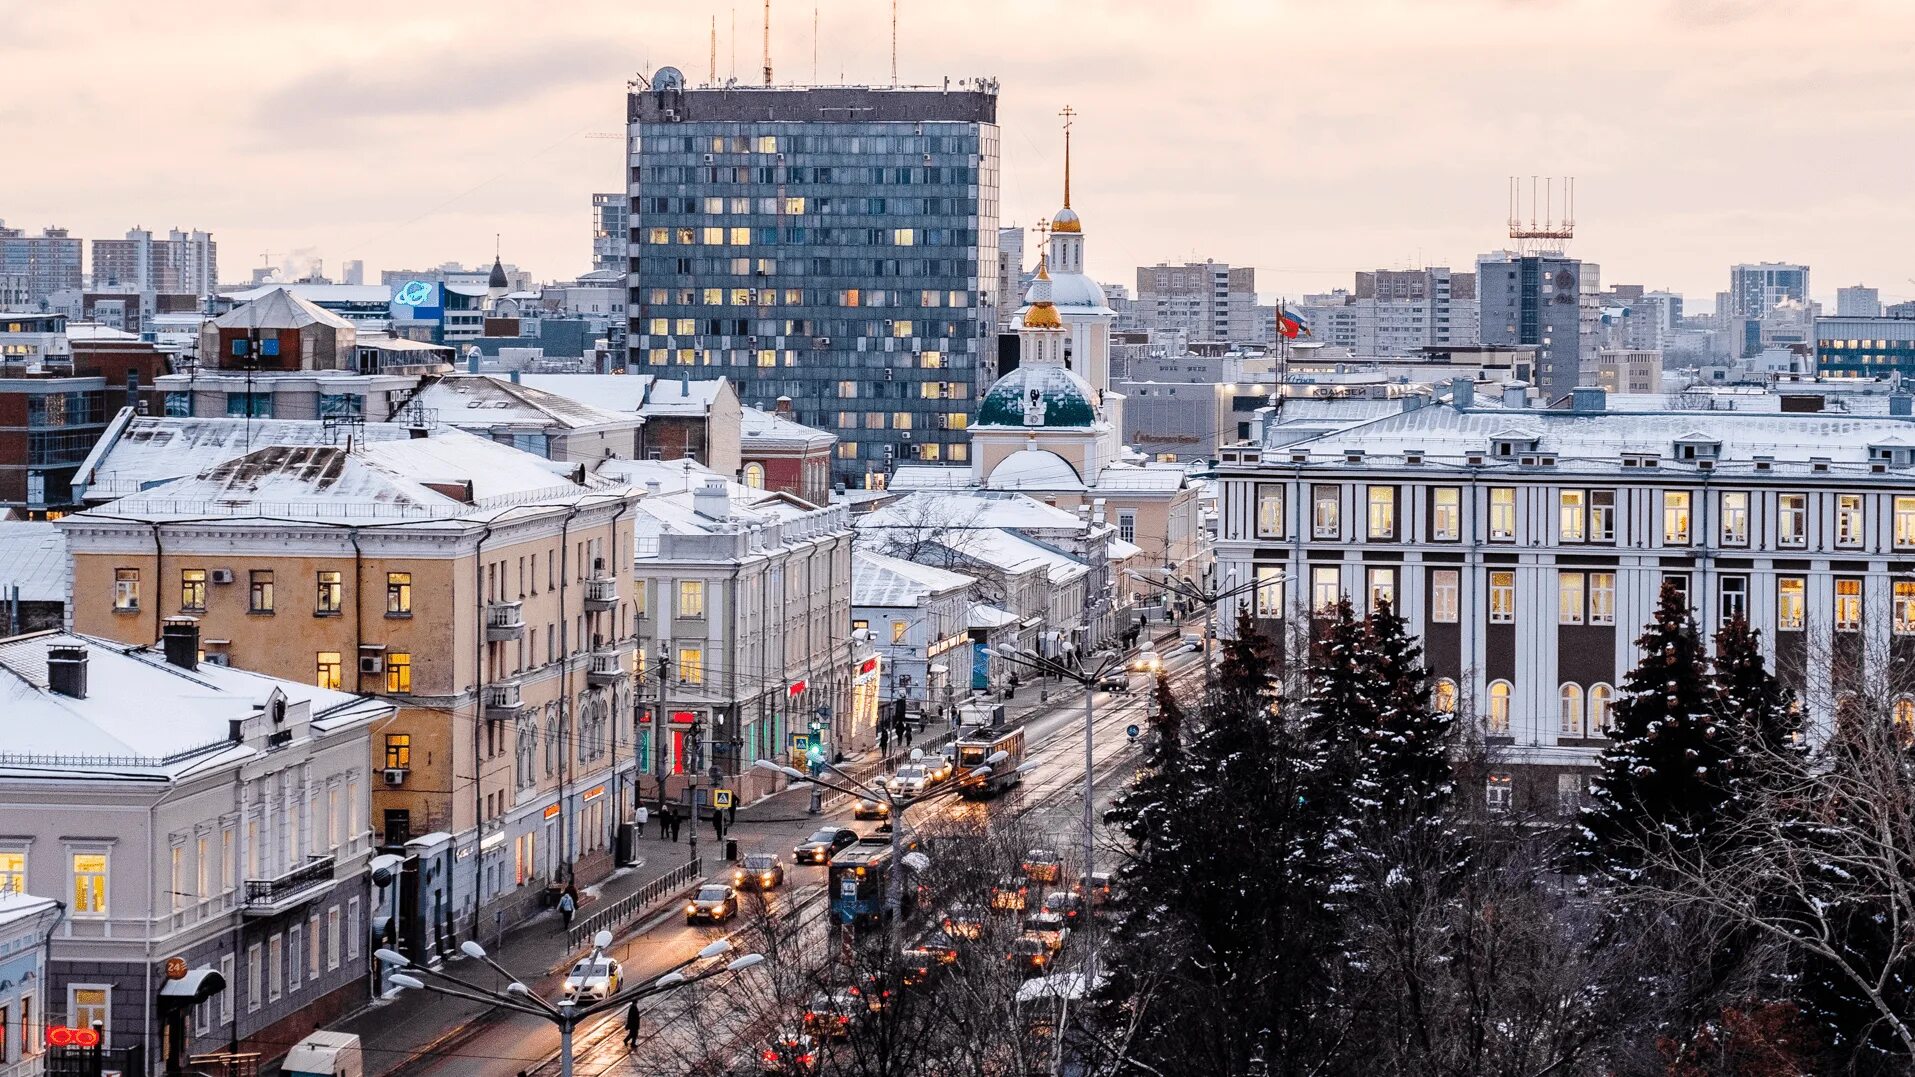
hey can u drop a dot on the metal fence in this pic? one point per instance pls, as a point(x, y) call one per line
point(636, 904)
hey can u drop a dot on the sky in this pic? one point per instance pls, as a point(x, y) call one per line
point(1307, 138)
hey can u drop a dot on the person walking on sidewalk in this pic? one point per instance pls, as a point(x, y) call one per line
point(884, 740)
point(568, 906)
point(631, 1026)
point(718, 825)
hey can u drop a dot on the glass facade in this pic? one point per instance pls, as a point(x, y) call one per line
point(836, 246)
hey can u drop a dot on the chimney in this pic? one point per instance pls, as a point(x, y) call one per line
point(133, 390)
point(1463, 392)
point(1591, 400)
point(653, 487)
point(66, 669)
point(179, 638)
point(1901, 404)
point(515, 377)
point(711, 500)
point(1515, 394)
point(784, 405)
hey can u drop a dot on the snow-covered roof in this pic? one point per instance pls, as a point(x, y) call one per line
point(1123, 551)
point(1141, 478)
point(909, 477)
point(977, 509)
point(141, 717)
point(613, 392)
point(33, 558)
point(279, 309)
point(146, 450)
point(95, 332)
point(986, 616)
point(1034, 469)
point(17, 907)
point(766, 431)
point(881, 580)
point(1014, 553)
point(672, 476)
point(682, 397)
point(320, 293)
point(485, 402)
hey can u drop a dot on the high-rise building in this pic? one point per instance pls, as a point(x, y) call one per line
point(1536, 299)
point(1859, 301)
point(1756, 289)
point(184, 263)
point(836, 245)
point(1399, 312)
point(40, 265)
point(1205, 300)
point(610, 231)
point(353, 272)
point(1010, 273)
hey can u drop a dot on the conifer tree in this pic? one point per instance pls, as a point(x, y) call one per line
point(1758, 707)
point(1406, 773)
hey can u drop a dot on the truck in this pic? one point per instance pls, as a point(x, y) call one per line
point(324, 1054)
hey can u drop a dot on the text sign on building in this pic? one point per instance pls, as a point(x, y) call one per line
point(62, 1036)
point(796, 687)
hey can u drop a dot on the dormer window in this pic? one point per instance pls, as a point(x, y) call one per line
point(1697, 447)
point(1891, 454)
point(1512, 443)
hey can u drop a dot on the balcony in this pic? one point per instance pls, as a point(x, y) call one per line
point(603, 667)
point(502, 700)
point(504, 621)
point(601, 593)
point(270, 897)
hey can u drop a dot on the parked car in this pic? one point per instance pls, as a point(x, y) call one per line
point(1009, 894)
point(1043, 865)
point(789, 1053)
point(818, 848)
point(759, 871)
point(714, 902)
point(1067, 904)
point(593, 978)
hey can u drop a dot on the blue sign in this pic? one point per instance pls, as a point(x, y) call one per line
point(414, 293)
point(1131, 731)
point(418, 301)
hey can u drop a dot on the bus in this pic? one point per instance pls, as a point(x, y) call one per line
point(857, 880)
point(974, 746)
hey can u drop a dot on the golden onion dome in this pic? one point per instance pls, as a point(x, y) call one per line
point(1066, 221)
point(1042, 315)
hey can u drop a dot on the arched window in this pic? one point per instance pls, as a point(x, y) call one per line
point(755, 476)
point(1499, 706)
point(1444, 696)
point(1602, 709)
point(1571, 708)
point(528, 739)
point(1902, 714)
point(551, 739)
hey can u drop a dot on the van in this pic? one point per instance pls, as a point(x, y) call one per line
point(324, 1054)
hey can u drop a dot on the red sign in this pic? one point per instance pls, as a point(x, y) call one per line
point(795, 687)
point(686, 717)
point(869, 665)
point(62, 1036)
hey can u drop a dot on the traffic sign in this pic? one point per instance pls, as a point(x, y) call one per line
point(1131, 731)
point(721, 798)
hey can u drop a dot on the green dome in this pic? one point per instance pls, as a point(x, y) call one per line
point(1065, 396)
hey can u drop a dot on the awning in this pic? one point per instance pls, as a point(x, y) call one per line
point(195, 987)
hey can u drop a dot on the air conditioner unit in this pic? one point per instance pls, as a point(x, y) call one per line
point(221, 575)
point(372, 663)
point(395, 775)
point(708, 158)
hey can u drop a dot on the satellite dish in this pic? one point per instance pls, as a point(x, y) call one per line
point(668, 78)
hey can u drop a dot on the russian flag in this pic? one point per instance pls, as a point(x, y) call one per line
point(1291, 324)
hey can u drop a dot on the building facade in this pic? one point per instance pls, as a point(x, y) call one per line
point(611, 232)
point(834, 245)
point(1756, 289)
point(1865, 347)
point(1536, 299)
point(1401, 312)
point(41, 265)
point(1858, 301)
point(919, 618)
point(1206, 301)
point(56, 398)
point(183, 263)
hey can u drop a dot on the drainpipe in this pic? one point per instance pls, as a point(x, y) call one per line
point(565, 679)
point(358, 611)
point(478, 718)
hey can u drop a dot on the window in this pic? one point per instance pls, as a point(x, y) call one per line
point(1499, 793)
point(691, 665)
point(1324, 504)
point(1445, 592)
point(1602, 515)
point(1602, 598)
point(1270, 511)
point(1791, 603)
point(176, 878)
point(352, 927)
point(1572, 515)
point(126, 589)
point(398, 751)
point(1502, 514)
point(1602, 709)
point(1902, 716)
point(1326, 588)
point(1569, 794)
point(255, 976)
point(398, 673)
point(1792, 519)
point(398, 594)
point(296, 944)
point(1269, 591)
point(1446, 514)
point(755, 475)
point(1382, 517)
point(226, 997)
point(275, 967)
point(1848, 604)
point(13, 871)
point(1126, 524)
point(1735, 518)
point(1499, 706)
point(1732, 598)
point(898, 630)
point(89, 884)
point(87, 1005)
point(1848, 520)
point(1570, 710)
point(332, 939)
point(1569, 597)
point(1904, 607)
point(331, 596)
point(327, 672)
point(193, 590)
point(1443, 696)
point(1382, 587)
point(691, 598)
point(259, 591)
point(1502, 598)
point(1904, 523)
point(1675, 517)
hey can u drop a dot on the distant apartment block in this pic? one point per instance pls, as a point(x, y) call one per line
point(1204, 300)
point(181, 263)
point(1858, 301)
point(1536, 299)
point(611, 216)
point(1756, 289)
point(41, 265)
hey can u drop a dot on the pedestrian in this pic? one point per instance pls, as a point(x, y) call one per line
point(731, 813)
point(631, 1026)
point(1013, 683)
point(676, 823)
point(568, 906)
point(718, 824)
point(884, 740)
point(642, 816)
point(907, 734)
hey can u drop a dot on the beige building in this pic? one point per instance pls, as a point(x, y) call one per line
point(476, 586)
point(1625, 370)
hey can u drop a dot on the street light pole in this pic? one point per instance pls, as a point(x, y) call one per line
point(1209, 595)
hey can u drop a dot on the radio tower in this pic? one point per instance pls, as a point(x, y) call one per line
point(1547, 233)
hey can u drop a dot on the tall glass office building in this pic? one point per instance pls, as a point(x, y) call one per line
point(835, 245)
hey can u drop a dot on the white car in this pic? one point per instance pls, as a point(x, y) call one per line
point(1193, 642)
point(594, 979)
point(909, 781)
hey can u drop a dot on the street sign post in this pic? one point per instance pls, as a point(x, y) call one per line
point(721, 798)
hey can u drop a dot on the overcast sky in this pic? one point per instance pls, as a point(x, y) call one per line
point(1309, 139)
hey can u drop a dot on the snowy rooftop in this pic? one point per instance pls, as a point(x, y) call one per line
point(682, 397)
point(484, 402)
point(764, 430)
point(320, 293)
point(279, 309)
point(986, 616)
point(1034, 469)
point(977, 509)
point(17, 907)
point(138, 452)
point(613, 392)
point(33, 558)
point(672, 476)
point(907, 477)
point(881, 580)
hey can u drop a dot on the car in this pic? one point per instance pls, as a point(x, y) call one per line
point(1043, 866)
point(789, 1052)
point(818, 848)
point(871, 808)
point(1049, 927)
point(1009, 894)
point(1147, 661)
point(1114, 681)
point(963, 922)
point(758, 871)
point(593, 979)
point(1029, 955)
point(714, 902)
point(939, 945)
point(938, 768)
point(872, 989)
point(1065, 903)
point(909, 781)
point(917, 967)
point(1193, 642)
point(831, 1014)
point(1095, 888)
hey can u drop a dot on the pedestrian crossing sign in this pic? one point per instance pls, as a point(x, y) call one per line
point(721, 798)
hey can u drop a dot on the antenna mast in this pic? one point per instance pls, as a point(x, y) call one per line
point(767, 42)
point(814, 44)
point(1534, 236)
point(711, 73)
point(894, 44)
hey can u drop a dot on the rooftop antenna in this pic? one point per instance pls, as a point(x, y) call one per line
point(894, 44)
point(1530, 236)
point(734, 42)
point(814, 44)
point(711, 73)
point(767, 42)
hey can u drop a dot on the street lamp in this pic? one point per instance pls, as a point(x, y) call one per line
point(567, 1014)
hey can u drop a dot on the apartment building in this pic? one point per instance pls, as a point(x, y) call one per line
point(1527, 548)
point(919, 618)
point(473, 585)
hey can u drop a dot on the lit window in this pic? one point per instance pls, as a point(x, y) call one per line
point(755, 476)
point(713, 236)
point(1445, 594)
point(1572, 515)
point(1443, 696)
point(193, 589)
point(1446, 514)
point(126, 589)
point(1602, 709)
point(1382, 517)
point(904, 237)
point(1675, 517)
point(1791, 603)
point(1502, 514)
point(1502, 598)
point(898, 631)
point(1848, 605)
point(1792, 519)
point(1902, 716)
point(1382, 587)
point(1324, 503)
point(1904, 592)
point(398, 751)
point(691, 665)
point(399, 594)
point(331, 593)
point(1569, 598)
point(691, 598)
point(1904, 523)
point(327, 673)
point(901, 328)
point(1499, 706)
point(1848, 520)
point(89, 884)
point(398, 673)
point(1269, 591)
point(1570, 718)
point(1326, 588)
point(1735, 518)
point(13, 871)
point(1269, 512)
